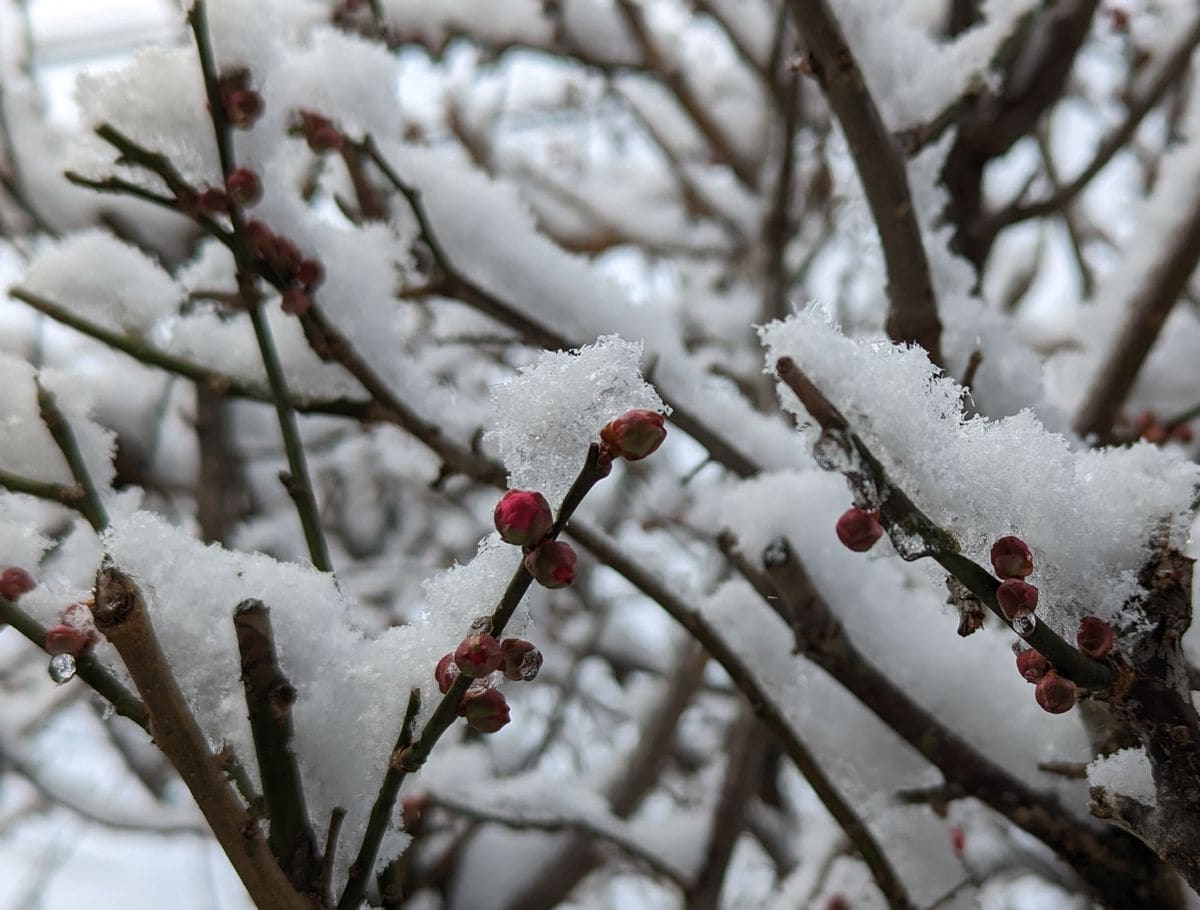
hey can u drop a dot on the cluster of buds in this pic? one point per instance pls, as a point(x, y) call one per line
point(859, 529)
point(15, 581)
point(242, 188)
point(1147, 426)
point(319, 132)
point(523, 518)
point(74, 633)
point(242, 104)
point(1013, 563)
point(478, 658)
point(283, 258)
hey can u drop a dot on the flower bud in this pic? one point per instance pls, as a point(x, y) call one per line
point(1055, 693)
point(295, 301)
point(634, 435)
point(486, 710)
point(1095, 636)
point(15, 581)
point(310, 273)
point(212, 201)
point(1011, 558)
point(242, 107)
point(859, 530)
point(244, 186)
point(445, 673)
point(74, 634)
point(522, 660)
point(523, 517)
point(260, 239)
point(478, 655)
point(320, 133)
point(552, 564)
point(1032, 665)
point(1016, 598)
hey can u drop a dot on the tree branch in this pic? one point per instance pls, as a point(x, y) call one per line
point(90, 505)
point(913, 316)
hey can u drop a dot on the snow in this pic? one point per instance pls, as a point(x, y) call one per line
point(1088, 515)
point(1126, 772)
point(550, 412)
point(110, 283)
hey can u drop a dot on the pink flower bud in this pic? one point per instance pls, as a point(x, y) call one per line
point(242, 107)
point(859, 530)
point(295, 301)
point(310, 273)
point(634, 435)
point(478, 655)
point(551, 563)
point(15, 581)
point(64, 639)
point(523, 517)
point(522, 660)
point(260, 239)
point(1016, 598)
point(244, 186)
point(1095, 636)
point(1055, 693)
point(486, 710)
point(1032, 665)
point(1011, 558)
point(445, 673)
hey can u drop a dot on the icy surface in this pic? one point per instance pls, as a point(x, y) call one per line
point(1126, 772)
point(548, 415)
point(1087, 515)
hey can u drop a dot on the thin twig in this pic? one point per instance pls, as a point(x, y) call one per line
point(90, 506)
point(87, 668)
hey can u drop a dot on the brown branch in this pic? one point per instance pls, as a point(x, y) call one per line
point(700, 113)
point(913, 316)
point(90, 506)
point(1177, 257)
point(121, 615)
point(1168, 74)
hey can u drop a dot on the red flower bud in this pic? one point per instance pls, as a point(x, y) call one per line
point(295, 301)
point(242, 106)
point(260, 239)
point(552, 564)
point(634, 435)
point(212, 201)
point(478, 655)
point(1011, 558)
point(1055, 693)
point(15, 581)
point(445, 673)
point(486, 710)
point(1032, 665)
point(1181, 433)
point(310, 273)
point(244, 186)
point(522, 660)
point(1016, 598)
point(859, 530)
point(1095, 636)
point(523, 517)
point(320, 133)
point(64, 639)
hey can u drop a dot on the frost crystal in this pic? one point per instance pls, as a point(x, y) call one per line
point(548, 415)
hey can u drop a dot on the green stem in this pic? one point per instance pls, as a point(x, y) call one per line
point(90, 506)
point(87, 668)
